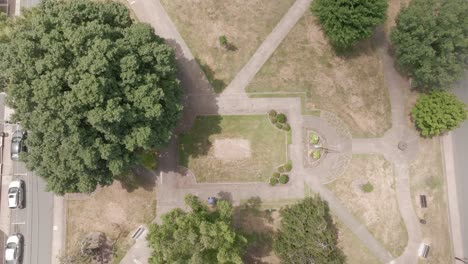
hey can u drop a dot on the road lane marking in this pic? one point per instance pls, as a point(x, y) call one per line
point(18, 223)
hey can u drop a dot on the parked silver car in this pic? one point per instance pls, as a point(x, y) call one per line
point(14, 249)
point(16, 194)
point(17, 144)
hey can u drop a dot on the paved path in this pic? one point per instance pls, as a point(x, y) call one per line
point(175, 182)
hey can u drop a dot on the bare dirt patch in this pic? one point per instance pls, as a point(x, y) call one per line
point(244, 23)
point(378, 209)
point(351, 85)
point(232, 149)
point(112, 210)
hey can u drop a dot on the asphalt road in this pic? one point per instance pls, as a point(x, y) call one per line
point(35, 220)
point(460, 145)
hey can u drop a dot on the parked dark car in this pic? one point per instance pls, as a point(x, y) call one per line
point(17, 144)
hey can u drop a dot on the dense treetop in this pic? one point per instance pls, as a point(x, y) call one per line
point(438, 112)
point(345, 22)
point(199, 236)
point(91, 87)
point(431, 41)
point(307, 234)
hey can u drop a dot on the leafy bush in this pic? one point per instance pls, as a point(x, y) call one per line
point(345, 22)
point(313, 138)
point(316, 154)
point(281, 168)
point(223, 41)
point(288, 166)
point(438, 112)
point(279, 125)
point(273, 181)
point(284, 178)
point(286, 127)
point(273, 119)
point(367, 188)
point(272, 113)
point(430, 41)
point(276, 174)
point(281, 118)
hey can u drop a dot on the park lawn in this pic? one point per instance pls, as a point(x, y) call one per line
point(267, 148)
point(245, 24)
point(353, 248)
point(377, 210)
point(112, 210)
point(351, 86)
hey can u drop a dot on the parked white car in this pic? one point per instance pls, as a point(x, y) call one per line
point(16, 194)
point(14, 249)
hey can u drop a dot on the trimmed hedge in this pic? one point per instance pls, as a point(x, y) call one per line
point(286, 127)
point(367, 188)
point(273, 181)
point(287, 167)
point(281, 118)
point(276, 174)
point(272, 113)
point(284, 178)
point(279, 125)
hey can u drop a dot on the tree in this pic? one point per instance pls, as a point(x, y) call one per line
point(438, 112)
point(199, 236)
point(307, 234)
point(91, 87)
point(430, 40)
point(345, 22)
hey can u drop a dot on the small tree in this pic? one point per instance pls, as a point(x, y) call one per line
point(198, 236)
point(307, 234)
point(345, 22)
point(430, 41)
point(438, 112)
point(223, 41)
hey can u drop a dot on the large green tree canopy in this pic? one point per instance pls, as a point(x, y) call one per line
point(199, 236)
point(307, 234)
point(438, 112)
point(431, 41)
point(345, 22)
point(91, 87)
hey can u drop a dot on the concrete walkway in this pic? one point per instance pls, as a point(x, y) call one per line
point(175, 182)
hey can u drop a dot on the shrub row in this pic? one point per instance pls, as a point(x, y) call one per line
point(278, 177)
point(279, 120)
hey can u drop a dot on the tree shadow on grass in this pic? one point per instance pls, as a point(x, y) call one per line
point(256, 225)
point(218, 85)
point(138, 177)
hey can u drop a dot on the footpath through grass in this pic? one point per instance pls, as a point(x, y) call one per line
point(244, 23)
point(350, 85)
point(266, 148)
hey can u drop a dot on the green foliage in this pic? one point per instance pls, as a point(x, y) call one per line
point(223, 41)
point(276, 174)
point(438, 112)
point(286, 127)
point(313, 138)
point(288, 166)
point(281, 168)
point(316, 154)
point(281, 118)
point(273, 181)
point(307, 234)
point(345, 22)
point(284, 178)
point(367, 188)
point(279, 125)
point(273, 119)
point(147, 158)
point(272, 113)
point(92, 87)
point(431, 41)
point(199, 236)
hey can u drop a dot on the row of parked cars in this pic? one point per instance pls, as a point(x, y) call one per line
point(16, 199)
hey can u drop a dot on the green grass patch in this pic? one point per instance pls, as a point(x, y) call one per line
point(148, 159)
point(266, 148)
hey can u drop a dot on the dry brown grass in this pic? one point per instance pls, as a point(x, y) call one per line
point(356, 252)
point(245, 24)
point(378, 210)
point(427, 177)
point(111, 210)
point(351, 86)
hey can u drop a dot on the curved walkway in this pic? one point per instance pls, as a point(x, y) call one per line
point(200, 99)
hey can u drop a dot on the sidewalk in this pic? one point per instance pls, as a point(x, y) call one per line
point(454, 213)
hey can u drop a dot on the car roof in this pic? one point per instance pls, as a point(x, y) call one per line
point(13, 184)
